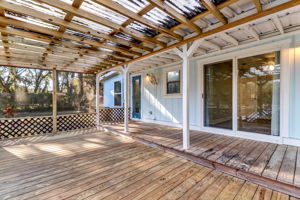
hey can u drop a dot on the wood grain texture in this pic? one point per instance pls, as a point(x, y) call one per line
point(273, 165)
point(102, 166)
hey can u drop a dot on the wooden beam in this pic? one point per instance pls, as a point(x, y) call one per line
point(225, 27)
point(70, 25)
point(257, 5)
point(230, 39)
point(214, 10)
point(172, 12)
point(134, 16)
point(52, 32)
point(252, 32)
point(84, 14)
point(278, 24)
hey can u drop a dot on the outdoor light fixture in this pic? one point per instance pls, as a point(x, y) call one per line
point(151, 78)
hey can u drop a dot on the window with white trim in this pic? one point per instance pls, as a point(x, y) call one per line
point(117, 93)
point(172, 81)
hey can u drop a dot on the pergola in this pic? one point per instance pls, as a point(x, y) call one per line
point(95, 36)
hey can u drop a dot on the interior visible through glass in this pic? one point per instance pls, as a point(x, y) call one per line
point(137, 96)
point(218, 95)
point(259, 94)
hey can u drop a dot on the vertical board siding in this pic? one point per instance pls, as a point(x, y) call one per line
point(108, 90)
point(295, 94)
point(169, 109)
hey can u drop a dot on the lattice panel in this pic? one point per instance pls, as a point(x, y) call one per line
point(21, 127)
point(112, 115)
point(77, 121)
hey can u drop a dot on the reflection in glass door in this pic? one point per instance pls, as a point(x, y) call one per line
point(259, 93)
point(218, 95)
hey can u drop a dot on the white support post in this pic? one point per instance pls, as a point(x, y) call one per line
point(185, 54)
point(185, 98)
point(125, 78)
point(98, 101)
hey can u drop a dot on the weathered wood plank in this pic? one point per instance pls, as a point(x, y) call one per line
point(247, 191)
point(200, 187)
point(231, 189)
point(262, 193)
point(297, 170)
point(259, 165)
point(286, 173)
point(186, 185)
point(272, 168)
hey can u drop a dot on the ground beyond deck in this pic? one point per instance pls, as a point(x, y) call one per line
point(101, 166)
point(273, 165)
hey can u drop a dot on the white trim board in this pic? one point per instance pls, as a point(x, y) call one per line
point(244, 135)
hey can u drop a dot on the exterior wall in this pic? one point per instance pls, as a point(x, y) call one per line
point(157, 107)
point(108, 90)
point(169, 109)
point(294, 131)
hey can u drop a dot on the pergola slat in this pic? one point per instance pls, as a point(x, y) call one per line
point(214, 10)
point(119, 41)
point(134, 16)
point(163, 6)
point(81, 13)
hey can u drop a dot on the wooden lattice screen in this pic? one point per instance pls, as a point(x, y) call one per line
point(29, 126)
point(112, 115)
point(21, 127)
point(77, 121)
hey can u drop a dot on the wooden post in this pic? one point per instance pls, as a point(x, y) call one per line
point(54, 100)
point(185, 54)
point(98, 101)
point(125, 79)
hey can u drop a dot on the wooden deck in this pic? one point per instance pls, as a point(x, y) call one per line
point(272, 165)
point(102, 166)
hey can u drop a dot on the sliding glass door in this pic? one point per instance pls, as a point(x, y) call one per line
point(218, 95)
point(244, 96)
point(259, 93)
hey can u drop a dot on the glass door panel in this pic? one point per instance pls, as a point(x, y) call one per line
point(136, 97)
point(218, 95)
point(259, 94)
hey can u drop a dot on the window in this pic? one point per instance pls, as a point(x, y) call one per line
point(259, 93)
point(172, 82)
point(117, 93)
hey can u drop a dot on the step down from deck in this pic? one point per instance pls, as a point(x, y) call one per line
point(267, 177)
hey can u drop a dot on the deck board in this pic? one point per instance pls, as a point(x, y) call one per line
point(105, 166)
point(262, 160)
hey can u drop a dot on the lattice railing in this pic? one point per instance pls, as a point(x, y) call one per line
point(108, 115)
point(29, 126)
point(76, 121)
point(21, 127)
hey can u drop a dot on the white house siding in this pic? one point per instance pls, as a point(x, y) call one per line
point(108, 90)
point(170, 109)
point(295, 93)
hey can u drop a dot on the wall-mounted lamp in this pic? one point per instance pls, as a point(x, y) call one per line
point(151, 78)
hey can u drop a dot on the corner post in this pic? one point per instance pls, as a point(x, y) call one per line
point(98, 101)
point(54, 100)
point(126, 105)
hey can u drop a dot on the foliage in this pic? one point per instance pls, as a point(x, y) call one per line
point(29, 91)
